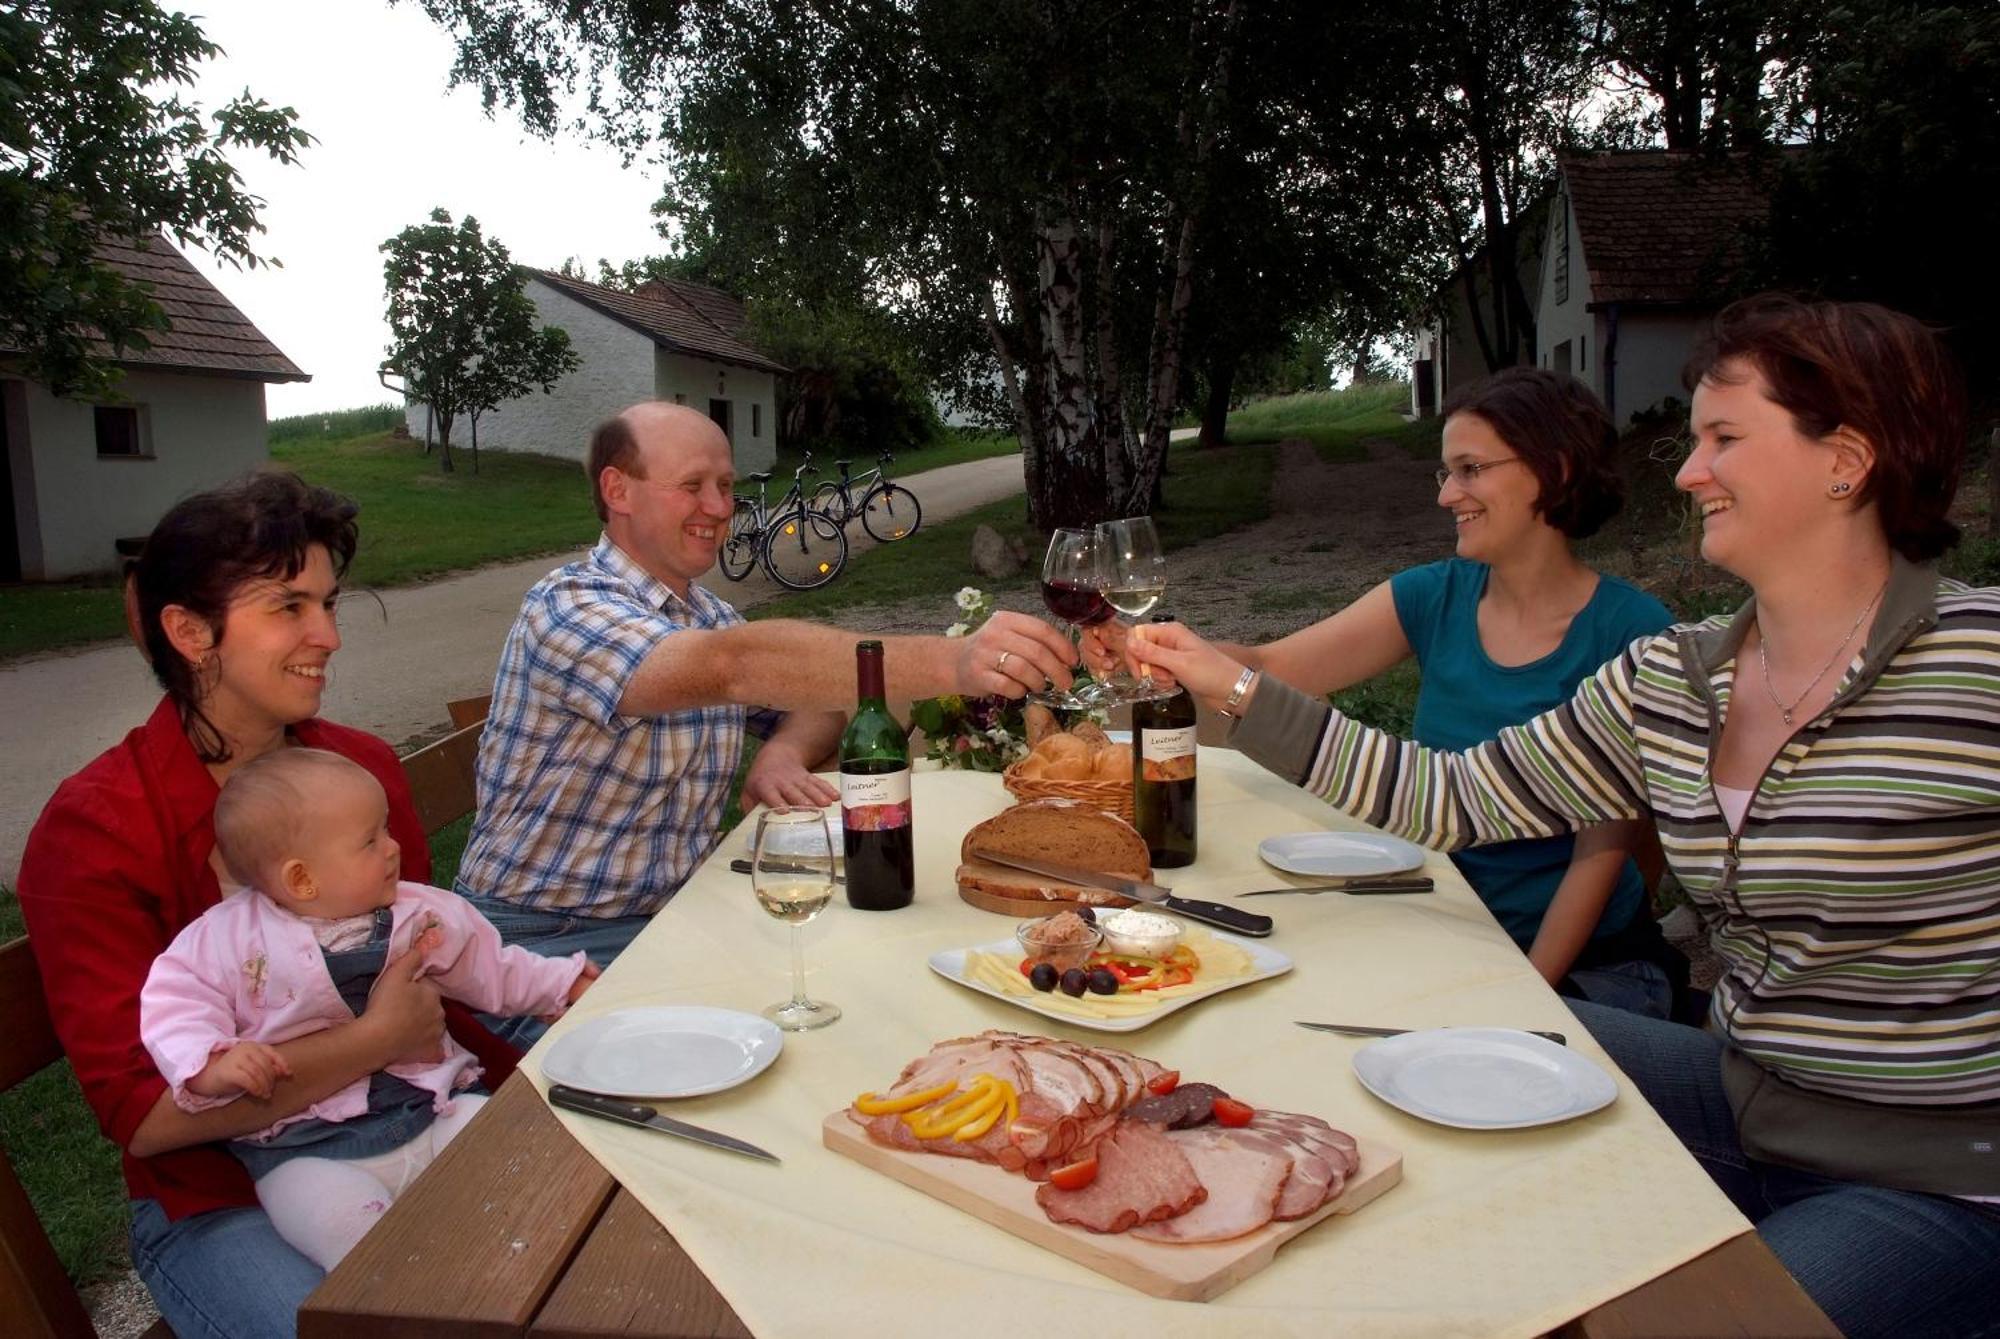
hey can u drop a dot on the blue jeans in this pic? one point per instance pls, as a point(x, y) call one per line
point(1636, 987)
point(221, 1275)
point(553, 934)
point(1877, 1261)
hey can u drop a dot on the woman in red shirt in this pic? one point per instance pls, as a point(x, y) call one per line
point(233, 601)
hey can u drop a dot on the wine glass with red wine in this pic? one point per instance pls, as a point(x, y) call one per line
point(1073, 582)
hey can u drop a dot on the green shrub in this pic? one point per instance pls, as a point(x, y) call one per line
point(336, 424)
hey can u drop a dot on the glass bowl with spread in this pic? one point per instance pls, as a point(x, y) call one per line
point(1139, 934)
point(1064, 939)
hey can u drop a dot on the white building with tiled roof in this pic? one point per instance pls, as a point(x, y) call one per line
point(668, 340)
point(77, 475)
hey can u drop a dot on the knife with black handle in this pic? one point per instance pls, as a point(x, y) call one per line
point(646, 1118)
point(1139, 890)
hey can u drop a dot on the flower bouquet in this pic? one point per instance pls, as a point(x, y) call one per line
point(979, 734)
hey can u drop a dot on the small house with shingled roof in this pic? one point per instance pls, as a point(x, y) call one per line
point(1636, 251)
point(1642, 249)
point(666, 340)
point(188, 414)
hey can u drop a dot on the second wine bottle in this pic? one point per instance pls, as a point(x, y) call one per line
point(1163, 753)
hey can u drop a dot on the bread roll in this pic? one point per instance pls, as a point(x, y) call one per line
point(1113, 763)
point(1091, 733)
point(1031, 767)
point(1069, 767)
point(1040, 722)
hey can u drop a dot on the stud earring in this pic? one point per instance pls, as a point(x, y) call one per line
point(1841, 489)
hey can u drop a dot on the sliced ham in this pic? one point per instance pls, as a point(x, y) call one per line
point(1245, 1178)
point(1141, 1176)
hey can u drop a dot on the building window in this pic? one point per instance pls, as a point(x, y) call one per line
point(756, 420)
point(121, 432)
point(1562, 250)
point(679, 398)
point(1583, 353)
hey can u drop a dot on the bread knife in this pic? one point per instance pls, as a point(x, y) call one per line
point(1214, 913)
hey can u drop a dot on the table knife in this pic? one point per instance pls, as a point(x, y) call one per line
point(1215, 913)
point(783, 867)
point(1353, 1030)
point(646, 1118)
point(1357, 887)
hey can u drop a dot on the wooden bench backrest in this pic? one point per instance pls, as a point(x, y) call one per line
point(442, 777)
point(35, 1294)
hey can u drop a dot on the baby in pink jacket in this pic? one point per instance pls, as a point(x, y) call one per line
point(296, 953)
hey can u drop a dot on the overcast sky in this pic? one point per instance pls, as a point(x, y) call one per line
point(369, 80)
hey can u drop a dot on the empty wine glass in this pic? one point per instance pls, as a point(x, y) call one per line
point(1073, 581)
point(791, 872)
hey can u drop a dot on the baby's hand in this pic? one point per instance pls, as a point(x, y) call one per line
point(576, 988)
point(247, 1067)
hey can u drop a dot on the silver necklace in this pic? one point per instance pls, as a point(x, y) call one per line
point(1764, 661)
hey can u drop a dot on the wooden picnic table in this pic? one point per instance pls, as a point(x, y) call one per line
point(520, 1230)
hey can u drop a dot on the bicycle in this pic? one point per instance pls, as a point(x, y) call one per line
point(800, 546)
point(888, 510)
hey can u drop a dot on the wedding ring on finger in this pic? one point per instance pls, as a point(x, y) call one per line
point(1001, 663)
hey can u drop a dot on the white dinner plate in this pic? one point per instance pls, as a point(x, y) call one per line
point(663, 1050)
point(1481, 1078)
point(1265, 962)
point(793, 841)
point(1340, 855)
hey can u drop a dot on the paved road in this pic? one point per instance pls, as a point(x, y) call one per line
point(396, 669)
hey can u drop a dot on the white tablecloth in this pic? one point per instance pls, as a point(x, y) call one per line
point(1490, 1233)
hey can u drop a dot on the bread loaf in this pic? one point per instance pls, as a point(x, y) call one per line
point(1062, 832)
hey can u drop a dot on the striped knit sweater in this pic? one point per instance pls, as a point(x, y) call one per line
point(1858, 910)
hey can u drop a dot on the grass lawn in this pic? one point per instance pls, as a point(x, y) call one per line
point(1337, 422)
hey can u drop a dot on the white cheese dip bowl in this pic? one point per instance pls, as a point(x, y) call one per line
point(1139, 934)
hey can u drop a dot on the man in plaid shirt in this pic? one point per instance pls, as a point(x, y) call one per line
point(618, 710)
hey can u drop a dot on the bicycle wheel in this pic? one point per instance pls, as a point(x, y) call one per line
point(804, 549)
point(739, 551)
point(831, 498)
point(891, 512)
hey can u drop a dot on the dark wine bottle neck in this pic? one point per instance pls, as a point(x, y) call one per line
point(868, 675)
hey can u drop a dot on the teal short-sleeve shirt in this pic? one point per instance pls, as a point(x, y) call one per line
point(1467, 699)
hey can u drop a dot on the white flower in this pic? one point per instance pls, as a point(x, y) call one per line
point(1000, 735)
point(957, 630)
point(969, 598)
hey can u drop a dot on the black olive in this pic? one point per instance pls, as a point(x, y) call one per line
point(1074, 982)
point(1103, 981)
point(1089, 914)
point(1043, 976)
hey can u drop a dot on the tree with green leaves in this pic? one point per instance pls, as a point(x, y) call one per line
point(462, 333)
point(96, 140)
point(1034, 176)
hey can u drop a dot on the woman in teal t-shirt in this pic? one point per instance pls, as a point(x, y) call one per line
point(1502, 633)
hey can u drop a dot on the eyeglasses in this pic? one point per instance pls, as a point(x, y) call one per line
point(1469, 472)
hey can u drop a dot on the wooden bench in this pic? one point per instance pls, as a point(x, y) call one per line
point(36, 1297)
point(442, 777)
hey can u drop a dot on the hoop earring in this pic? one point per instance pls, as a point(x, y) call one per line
point(1841, 489)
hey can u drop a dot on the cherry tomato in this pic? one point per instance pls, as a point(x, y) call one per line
point(1075, 1176)
point(1164, 1082)
point(1232, 1113)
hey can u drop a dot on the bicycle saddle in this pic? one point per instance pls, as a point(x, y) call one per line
point(763, 478)
point(843, 463)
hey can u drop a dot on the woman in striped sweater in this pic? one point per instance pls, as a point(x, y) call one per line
point(1824, 768)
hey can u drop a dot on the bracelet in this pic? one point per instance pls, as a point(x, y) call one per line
point(1236, 694)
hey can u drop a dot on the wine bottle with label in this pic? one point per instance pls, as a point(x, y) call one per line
point(1163, 775)
point(875, 796)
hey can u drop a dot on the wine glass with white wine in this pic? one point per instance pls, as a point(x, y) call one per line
point(1135, 577)
point(791, 872)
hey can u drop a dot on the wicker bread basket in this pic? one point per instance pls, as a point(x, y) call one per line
point(1113, 797)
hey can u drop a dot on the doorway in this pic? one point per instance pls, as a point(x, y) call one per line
point(723, 412)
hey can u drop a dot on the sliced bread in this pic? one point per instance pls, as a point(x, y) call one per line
point(1063, 832)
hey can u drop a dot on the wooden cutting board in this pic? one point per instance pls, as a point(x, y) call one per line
point(1192, 1273)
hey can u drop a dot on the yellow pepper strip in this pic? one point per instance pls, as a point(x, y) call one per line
point(920, 1121)
point(946, 1122)
point(868, 1104)
point(983, 1120)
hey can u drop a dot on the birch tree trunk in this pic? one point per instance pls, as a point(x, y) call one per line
point(1072, 482)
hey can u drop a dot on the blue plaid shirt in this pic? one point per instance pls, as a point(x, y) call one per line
point(582, 809)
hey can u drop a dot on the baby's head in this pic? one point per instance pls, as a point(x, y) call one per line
point(310, 830)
